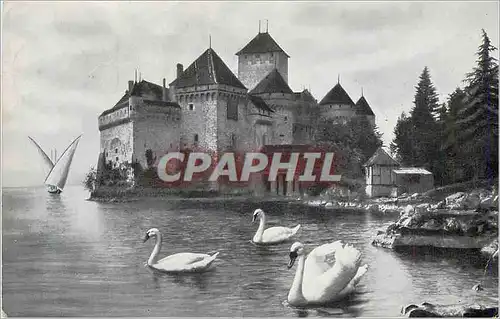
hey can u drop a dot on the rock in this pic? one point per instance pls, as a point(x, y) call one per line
point(455, 199)
point(422, 208)
point(489, 250)
point(373, 208)
point(477, 287)
point(409, 209)
point(431, 224)
point(329, 204)
point(430, 310)
point(440, 205)
point(471, 201)
point(452, 225)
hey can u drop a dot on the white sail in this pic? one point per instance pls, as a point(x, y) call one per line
point(59, 173)
point(47, 163)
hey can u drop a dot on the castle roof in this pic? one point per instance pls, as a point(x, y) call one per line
point(144, 89)
point(260, 103)
point(208, 68)
point(363, 108)
point(272, 83)
point(337, 95)
point(262, 43)
point(305, 95)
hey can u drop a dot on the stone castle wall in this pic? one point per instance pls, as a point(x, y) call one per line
point(234, 134)
point(155, 127)
point(117, 143)
point(116, 136)
point(337, 111)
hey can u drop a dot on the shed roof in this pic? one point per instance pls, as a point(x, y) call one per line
point(412, 170)
point(381, 157)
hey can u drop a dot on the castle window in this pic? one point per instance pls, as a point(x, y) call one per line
point(196, 138)
point(191, 106)
point(117, 158)
point(286, 118)
point(232, 109)
point(264, 137)
point(116, 150)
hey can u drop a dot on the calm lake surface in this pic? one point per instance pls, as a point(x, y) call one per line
point(65, 256)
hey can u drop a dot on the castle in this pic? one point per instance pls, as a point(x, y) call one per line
point(209, 107)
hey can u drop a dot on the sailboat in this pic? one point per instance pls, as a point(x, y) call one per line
point(57, 173)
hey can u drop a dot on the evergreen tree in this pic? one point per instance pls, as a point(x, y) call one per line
point(478, 120)
point(424, 124)
point(454, 156)
point(403, 143)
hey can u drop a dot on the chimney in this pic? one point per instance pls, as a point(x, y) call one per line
point(165, 91)
point(180, 69)
point(130, 86)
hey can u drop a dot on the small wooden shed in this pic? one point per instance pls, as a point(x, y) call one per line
point(379, 174)
point(412, 180)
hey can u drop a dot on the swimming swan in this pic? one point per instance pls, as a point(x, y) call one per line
point(319, 279)
point(181, 262)
point(272, 235)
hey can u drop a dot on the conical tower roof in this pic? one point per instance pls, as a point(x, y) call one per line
point(363, 108)
point(337, 95)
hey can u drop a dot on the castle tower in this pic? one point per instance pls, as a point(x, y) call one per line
point(212, 100)
point(337, 105)
point(364, 109)
point(258, 58)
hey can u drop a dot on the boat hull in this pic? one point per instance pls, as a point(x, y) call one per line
point(54, 190)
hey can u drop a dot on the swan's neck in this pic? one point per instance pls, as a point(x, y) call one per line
point(295, 297)
point(260, 230)
point(156, 250)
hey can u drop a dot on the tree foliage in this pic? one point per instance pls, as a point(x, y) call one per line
point(353, 143)
point(478, 119)
point(457, 140)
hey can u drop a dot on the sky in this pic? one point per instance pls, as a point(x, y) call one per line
point(64, 63)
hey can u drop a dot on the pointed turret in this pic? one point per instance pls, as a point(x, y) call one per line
point(337, 95)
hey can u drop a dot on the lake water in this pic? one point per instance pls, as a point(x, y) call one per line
point(65, 256)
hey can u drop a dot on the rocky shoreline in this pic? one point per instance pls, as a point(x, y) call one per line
point(431, 310)
point(463, 220)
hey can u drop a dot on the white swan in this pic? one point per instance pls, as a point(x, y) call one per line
point(272, 235)
point(321, 280)
point(181, 262)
